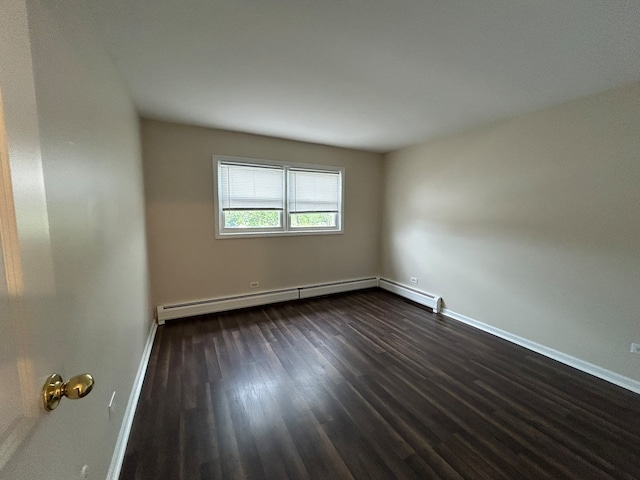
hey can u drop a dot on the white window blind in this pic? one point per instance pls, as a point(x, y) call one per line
point(314, 192)
point(251, 187)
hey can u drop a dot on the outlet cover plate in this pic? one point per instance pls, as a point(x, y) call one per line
point(635, 348)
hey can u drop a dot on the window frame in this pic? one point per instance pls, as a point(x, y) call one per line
point(285, 230)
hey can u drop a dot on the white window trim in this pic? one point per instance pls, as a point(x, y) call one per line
point(286, 230)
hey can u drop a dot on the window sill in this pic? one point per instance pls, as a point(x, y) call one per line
point(305, 233)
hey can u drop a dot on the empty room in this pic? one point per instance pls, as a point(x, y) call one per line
point(293, 239)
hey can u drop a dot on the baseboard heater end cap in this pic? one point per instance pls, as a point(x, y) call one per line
point(437, 308)
point(423, 298)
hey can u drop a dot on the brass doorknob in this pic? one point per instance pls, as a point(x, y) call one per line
point(54, 389)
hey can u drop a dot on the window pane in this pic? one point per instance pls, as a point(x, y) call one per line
point(313, 191)
point(248, 186)
point(252, 218)
point(301, 220)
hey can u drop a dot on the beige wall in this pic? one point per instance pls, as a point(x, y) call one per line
point(85, 129)
point(186, 260)
point(531, 225)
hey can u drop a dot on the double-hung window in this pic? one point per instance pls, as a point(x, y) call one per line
point(258, 197)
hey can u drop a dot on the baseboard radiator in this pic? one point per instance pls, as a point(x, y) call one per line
point(215, 305)
point(423, 298)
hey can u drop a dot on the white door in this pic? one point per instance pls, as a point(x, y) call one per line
point(31, 341)
point(34, 444)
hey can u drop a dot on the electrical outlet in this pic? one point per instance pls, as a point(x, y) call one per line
point(254, 284)
point(112, 405)
point(414, 279)
point(635, 348)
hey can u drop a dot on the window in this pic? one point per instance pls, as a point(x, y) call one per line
point(256, 197)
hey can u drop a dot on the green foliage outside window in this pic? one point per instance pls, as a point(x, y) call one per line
point(313, 220)
point(271, 219)
point(252, 219)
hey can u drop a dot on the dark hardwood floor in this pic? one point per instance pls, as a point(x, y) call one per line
point(369, 385)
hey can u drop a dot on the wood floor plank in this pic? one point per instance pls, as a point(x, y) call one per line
point(369, 385)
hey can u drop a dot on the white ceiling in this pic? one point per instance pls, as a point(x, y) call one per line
point(375, 74)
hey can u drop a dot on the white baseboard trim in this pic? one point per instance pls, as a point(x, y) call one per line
point(125, 428)
point(423, 298)
point(223, 304)
point(596, 371)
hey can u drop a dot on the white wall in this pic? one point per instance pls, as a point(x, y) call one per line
point(89, 144)
point(531, 225)
point(187, 262)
